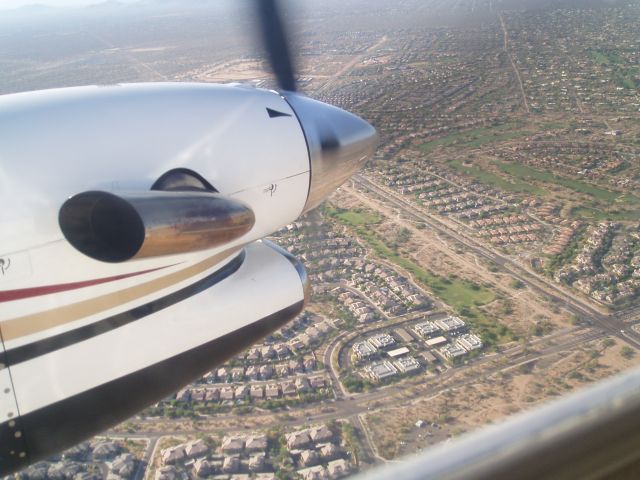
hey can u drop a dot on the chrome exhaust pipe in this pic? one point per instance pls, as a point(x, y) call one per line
point(113, 228)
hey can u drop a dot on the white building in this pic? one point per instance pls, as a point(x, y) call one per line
point(382, 340)
point(363, 349)
point(398, 352)
point(469, 342)
point(450, 324)
point(432, 342)
point(407, 364)
point(426, 329)
point(452, 351)
point(381, 370)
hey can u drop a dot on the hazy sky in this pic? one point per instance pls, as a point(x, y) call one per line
point(7, 4)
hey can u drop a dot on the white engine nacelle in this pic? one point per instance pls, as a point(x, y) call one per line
point(130, 242)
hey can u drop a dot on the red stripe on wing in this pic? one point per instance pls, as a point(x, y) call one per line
point(19, 294)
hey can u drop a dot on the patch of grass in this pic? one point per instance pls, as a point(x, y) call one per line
point(445, 61)
point(354, 383)
point(604, 58)
point(553, 125)
point(623, 74)
point(463, 295)
point(488, 178)
point(477, 137)
point(456, 292)
point(624, 79)
point(586, 213)
point(620, 168)
point(524, 173)
point(352, 442)
point(356, 218)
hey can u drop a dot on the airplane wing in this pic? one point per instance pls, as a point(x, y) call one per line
point(138, 352)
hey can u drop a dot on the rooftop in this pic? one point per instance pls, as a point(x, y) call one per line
point(398, 352)
point(450, 323)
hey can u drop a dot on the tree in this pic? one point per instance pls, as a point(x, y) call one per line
point(404, 235)
point(627, 352)
point(536, 330)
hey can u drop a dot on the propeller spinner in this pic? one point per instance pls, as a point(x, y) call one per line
point(339, 142)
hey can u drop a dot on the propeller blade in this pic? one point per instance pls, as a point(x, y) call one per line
point(276, 43)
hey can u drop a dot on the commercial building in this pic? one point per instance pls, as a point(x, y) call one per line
point(432, 342)
point(363, 349)
point(426, 329)
point(407, 364)
point(382, 340)
point(403, 335)
point(450, 324)
point(452, 351)
point(381, 370)
point(428, 357)
point(398, 352)
point(469, 342)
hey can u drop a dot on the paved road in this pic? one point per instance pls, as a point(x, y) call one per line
point(147, 457)
point(358, 404)
point(630, 315)
point(505, 34)
point(612, 324)
point(340, 74)
point(327, 359)
point(355, 407)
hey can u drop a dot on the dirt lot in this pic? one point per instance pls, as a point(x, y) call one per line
point(493, 397)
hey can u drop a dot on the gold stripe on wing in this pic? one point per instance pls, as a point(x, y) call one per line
point(34, 323)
